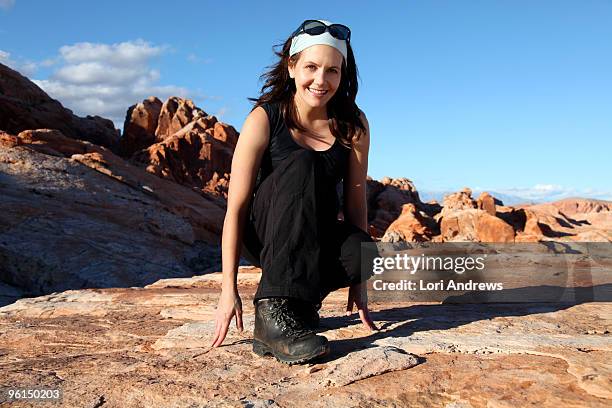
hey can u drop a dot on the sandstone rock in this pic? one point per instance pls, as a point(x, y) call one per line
point(492, 229)
point(74, 215)
point(574, 206)
point(218, 185)
point(385, 200)
point(175, 114)
point(461, 200)
point(225, 133)
point(139, 127)
point(24, 106)
point(487, 202)
point(411, 225)
point(192, 156)
point(119, 346)
point(475, 225)
point(54, 143)
point(366, 363)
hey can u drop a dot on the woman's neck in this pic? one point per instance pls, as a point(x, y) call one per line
point(308, 115)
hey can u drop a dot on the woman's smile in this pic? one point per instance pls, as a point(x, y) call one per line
point(317, 92)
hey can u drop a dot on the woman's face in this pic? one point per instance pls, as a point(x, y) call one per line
point(317, 74)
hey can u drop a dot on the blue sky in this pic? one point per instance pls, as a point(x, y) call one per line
point(507, 96)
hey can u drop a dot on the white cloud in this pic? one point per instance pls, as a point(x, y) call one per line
point(49, 62)
point(198, 60)
point(125, 54)
point(105, 79)
point(7, 4)
point(97, 72)
point(552, 192)
point(25, 67)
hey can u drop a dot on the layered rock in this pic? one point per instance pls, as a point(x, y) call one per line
point(488, 203)
point(475, 225)
point(73, 214)
point(576, 206)
point(461, 200)
point(412, 225)
point(150, 346)
point(386, 199)
point(178, 141)
point(175, 114)
point(546, 221)
point(486, 219)
point(198, 156)
point(24, 106)
point(140, 125)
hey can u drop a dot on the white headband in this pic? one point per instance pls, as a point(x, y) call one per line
point(304, 40)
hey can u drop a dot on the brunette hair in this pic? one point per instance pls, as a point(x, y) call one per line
point(342, 111)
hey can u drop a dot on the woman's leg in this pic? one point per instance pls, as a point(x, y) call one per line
point(344, 261)
point(285, 219)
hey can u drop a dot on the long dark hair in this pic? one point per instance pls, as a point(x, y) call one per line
point(342, 111)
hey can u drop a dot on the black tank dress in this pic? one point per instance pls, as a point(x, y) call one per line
point(293, 232)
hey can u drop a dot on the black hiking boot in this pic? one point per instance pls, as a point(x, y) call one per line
point(281, 332)
point(308, 312)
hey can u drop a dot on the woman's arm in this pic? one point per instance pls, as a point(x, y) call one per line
point(251, 145)
point(245, 164)
point(355, 207)
point(356, 212)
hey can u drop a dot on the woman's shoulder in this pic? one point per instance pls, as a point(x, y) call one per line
point(271, 108)
point(363, 118)
point(362, 136)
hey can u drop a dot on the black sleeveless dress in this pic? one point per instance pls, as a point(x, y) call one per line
point(293, 232)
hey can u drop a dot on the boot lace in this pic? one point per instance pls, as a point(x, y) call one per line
point(287, 321)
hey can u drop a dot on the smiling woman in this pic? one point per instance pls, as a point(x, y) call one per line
point(304, 136)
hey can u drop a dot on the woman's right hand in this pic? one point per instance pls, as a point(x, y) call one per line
point(229, 306)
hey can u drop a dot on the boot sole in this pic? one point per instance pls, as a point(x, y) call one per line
point(262, 350)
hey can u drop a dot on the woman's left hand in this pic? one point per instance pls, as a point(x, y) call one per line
point(358, 296)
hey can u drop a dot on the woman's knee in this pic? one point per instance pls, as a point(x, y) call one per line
point(355, 256)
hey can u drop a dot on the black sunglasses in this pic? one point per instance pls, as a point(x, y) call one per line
point(316, 27)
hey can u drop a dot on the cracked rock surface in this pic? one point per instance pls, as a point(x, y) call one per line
point(149, 347)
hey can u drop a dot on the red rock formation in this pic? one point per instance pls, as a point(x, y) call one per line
point(73, 214)
point(487, 202)
point(24, 106)
point(572, 206)
point(193, 155)
point(53, 142)
point(475, 225)
point(175, 114)
point(139, 127)
point(411, 226)
point(385, 200)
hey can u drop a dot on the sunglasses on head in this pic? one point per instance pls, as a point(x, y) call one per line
point(316, 27)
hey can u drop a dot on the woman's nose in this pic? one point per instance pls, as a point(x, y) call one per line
point(320, 77)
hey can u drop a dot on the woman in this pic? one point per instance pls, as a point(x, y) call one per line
point(304, 135)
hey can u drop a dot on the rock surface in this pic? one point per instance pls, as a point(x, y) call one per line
point(24, 106)
point(149, 346)
point(487, 220)
point(139, 127)
point(386, 199)
point(579, 206)
point(73, 215)
point(196, 156)
point(411, 225)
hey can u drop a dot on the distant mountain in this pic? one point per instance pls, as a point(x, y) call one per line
point(507, 199)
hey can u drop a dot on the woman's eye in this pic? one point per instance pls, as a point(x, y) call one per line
point(310, 66)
